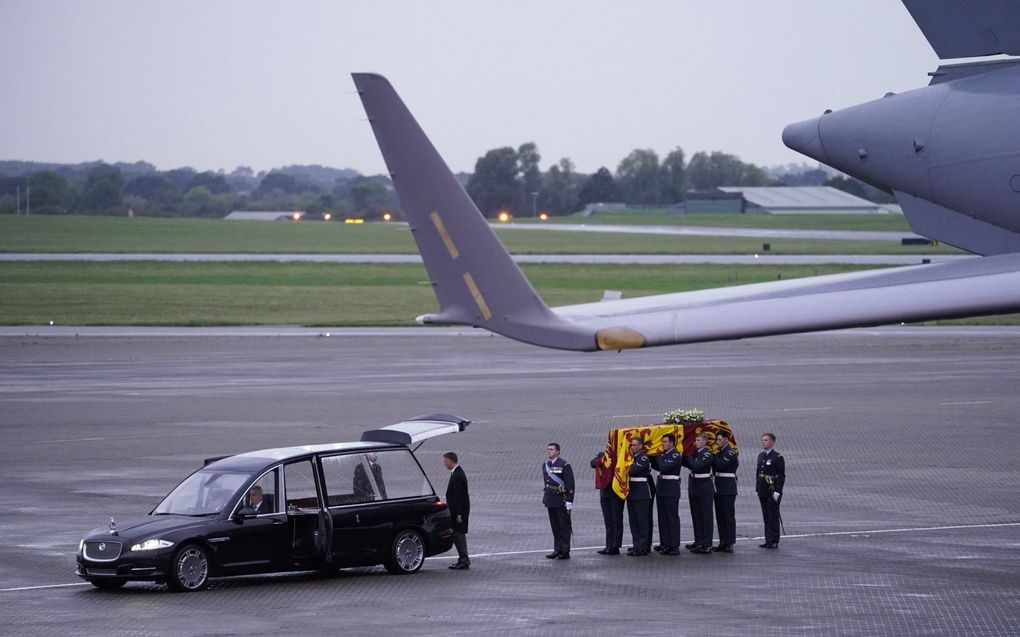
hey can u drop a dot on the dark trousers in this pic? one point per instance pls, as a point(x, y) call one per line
point(639, 512)
point(770, 515)
point(612, 515)
point(701, 518)
point(460, 541)
point(669, 521)
point(726, 519)
point(559, 520)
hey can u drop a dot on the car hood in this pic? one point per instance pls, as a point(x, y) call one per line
point(143, 528)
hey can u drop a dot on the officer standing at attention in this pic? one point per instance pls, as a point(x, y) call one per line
point(700, 491)
point(639, 500)
point(769, 486)
point(667, 497)
point(612, 513)
point(558, 498)
point(724, 466)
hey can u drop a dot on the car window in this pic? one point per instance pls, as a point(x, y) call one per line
point(202, 493)
point(399, 476)
point(352, 478)
point(299, 478)
point(261, 496)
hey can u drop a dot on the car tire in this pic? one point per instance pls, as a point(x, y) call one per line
point(108, 584)
point(407, 553)
point(189, 569)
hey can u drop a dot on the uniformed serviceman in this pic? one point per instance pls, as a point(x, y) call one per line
point(558, 498)
point(700, 492)
point(724, 466)
point(667, 496)
point(769, 486)
point(639, 500)
point(612, 514)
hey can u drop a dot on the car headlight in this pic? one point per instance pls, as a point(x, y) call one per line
point(151, 545)
point(81, 545)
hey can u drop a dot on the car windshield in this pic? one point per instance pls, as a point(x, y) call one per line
point(203, 493)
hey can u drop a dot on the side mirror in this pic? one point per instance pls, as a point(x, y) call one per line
point(245, 513)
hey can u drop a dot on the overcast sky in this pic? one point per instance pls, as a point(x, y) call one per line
point(220, 84)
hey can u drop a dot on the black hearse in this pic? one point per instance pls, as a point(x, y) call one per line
point(289, 509)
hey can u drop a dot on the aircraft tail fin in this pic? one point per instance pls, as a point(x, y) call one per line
point(474, 278)
point(968, 28)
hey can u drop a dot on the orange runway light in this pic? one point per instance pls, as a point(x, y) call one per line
point(543, 216)
point(387, 216)
point(327, 216)
point(504, 217)
point(296, 216)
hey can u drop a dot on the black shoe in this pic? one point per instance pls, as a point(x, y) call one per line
point(773, 545)
point(702, 550)
point(553, 555)
point(726, 548)
point(461, 566)
point(639, 553)
point(659, 548)
point(690, 547)
point(612, 551)
point(563, 556)
point(670, 550)
point(767, 545)
point(604, 551)
point(631, 551)
point(716, 549)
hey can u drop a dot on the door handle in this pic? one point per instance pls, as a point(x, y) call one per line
point(357, 519)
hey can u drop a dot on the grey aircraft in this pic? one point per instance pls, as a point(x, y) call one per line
point(950, 152)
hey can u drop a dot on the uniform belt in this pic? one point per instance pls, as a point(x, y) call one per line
point(726, 475)
point(701, 475)
point(669, 476)
point(639, 479)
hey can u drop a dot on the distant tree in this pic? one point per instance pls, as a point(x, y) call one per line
point(528, 159)
point(179, 178)
point(287, 184)
point(147, 186)
point(815, 177)
point(102, 191)
point(674, 177)
point(709, 171)
point(848, 184)
point(559, 189)
point(494, 185)
point(50, 192)
point(214, 183)
point(369, 198)
point(638, 177)
point(600, 188)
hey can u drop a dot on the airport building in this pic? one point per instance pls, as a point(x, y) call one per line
point(259, 215)
point(778, 200)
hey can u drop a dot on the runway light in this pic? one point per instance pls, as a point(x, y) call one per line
point(296, 216)
point(327, 216)
point(387, 216)
point(504, 216)
point(543, 216)
point(354, 221)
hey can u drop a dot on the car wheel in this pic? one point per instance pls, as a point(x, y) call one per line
point(108, 584)
point(407, 553)
point(189, 569)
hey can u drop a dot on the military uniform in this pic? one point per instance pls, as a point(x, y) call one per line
point(639, 505)
point(667, 500)
point(700, 491)
point(771, 478)
point(724, 467)
point(558, 489)
point(612, 515)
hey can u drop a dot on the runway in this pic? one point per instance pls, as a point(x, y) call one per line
point(900, 507)
point(645, 259)
point(711, 231)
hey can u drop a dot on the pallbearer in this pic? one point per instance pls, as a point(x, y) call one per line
point(639, 500)
point(612, 507)
point(700, 491)
point(667, 497)
point(724, 466)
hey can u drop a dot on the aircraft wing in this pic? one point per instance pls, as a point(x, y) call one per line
point(968, 28)
point(477, 283)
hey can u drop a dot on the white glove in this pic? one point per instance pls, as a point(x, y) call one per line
point(570, 505)
point(776, 495)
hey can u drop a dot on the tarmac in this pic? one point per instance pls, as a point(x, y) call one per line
point(901, 508)
point(643, 259)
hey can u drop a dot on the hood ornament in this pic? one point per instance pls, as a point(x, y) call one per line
point(113, 527)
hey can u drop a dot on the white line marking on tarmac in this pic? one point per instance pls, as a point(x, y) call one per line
point(967, 402)
point(918, 529)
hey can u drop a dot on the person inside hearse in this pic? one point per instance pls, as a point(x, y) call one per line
point(261, 502)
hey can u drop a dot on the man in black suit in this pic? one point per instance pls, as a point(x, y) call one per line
point(363, 491)
point(260, 502)
point(460, 506)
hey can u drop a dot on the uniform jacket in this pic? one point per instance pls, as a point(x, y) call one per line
point(726, 461)
point(551, 497)
point(770, 463)
point(458, 500)
point(640, 468)
point(670, 464)
point(700, 463)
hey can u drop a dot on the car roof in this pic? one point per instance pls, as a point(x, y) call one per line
point(265, 458)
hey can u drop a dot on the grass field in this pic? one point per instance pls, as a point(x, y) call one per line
point(659, 216)
point(151, 293)
point(121, 235)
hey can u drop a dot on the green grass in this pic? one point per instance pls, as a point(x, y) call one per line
point(659, 216)
point(121, 235)
point(151, 293)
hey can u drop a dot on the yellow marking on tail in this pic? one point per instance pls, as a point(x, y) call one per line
point(476, 294)
point(447, 239)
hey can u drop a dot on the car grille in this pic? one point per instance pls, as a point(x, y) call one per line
point(102, 550)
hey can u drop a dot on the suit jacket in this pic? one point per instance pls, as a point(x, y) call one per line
point(363, 487)
point(458, 500)
point(266, 506)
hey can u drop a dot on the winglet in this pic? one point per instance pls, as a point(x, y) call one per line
point(474, 278)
